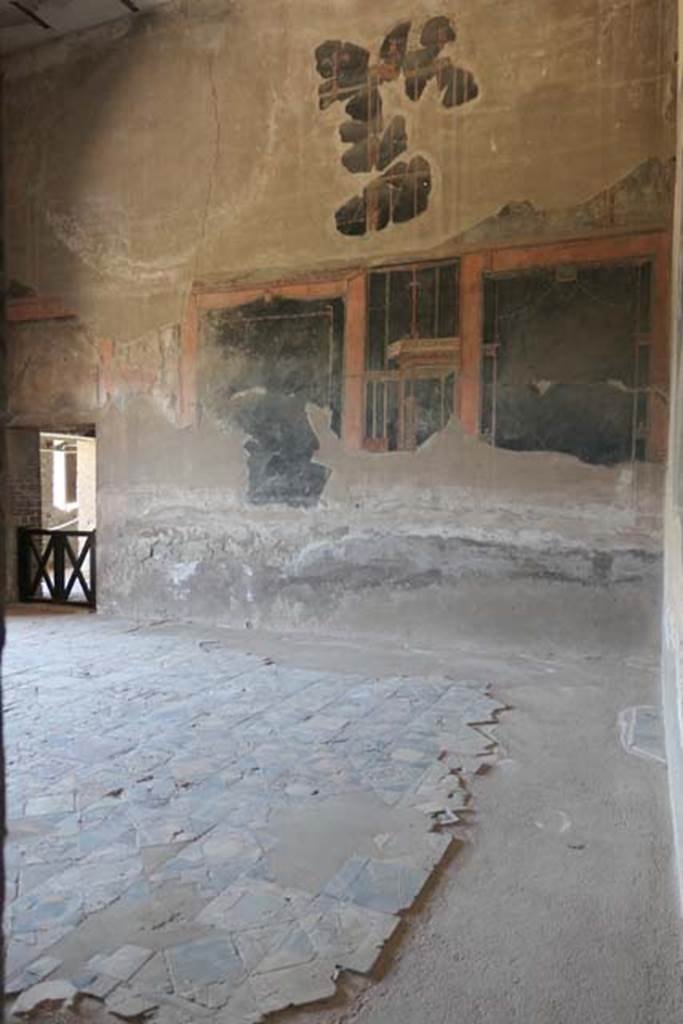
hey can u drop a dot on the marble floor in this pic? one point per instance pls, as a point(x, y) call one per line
point(200, 833)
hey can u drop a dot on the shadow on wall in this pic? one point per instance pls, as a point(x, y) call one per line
point(81, 201)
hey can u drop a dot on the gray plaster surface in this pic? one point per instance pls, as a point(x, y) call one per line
point(200, 832)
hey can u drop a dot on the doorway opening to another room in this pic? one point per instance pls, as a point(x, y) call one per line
point(54, 514)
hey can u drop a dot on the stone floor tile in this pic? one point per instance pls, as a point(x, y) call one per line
point(129, 1004)
point(254, 944)
point(34, 875)
point(46, 911)
point(32, 974)
point(418, 849)
point(166, 830)
point(55, 803)
point(49, 849)
point(168, 1014)
point(642, 732)
point(388, 886)
point(223, 846)
point(47, 995)
point(242, 1008)
point(295, 986)
point(253, 904)
point(294, 949)
point(122, 964)
point(411, 755)
point(205, 971)
point(98, 986)
point(339, 885)
point(20, 950)
point(154, 976)
point(352, 937)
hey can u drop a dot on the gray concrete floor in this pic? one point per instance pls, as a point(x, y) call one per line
point(560, 907)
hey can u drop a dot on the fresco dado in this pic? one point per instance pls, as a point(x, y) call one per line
point(375, 142)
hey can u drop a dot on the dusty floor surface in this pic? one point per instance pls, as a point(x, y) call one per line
point(561, 907)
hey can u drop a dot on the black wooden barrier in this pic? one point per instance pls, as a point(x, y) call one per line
point(57, 566)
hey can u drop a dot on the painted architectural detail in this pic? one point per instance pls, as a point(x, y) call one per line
point(374, 142)
point(263, 363)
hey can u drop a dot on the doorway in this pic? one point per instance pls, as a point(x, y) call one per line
point(53, 502)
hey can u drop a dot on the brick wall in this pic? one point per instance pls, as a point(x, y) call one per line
point(23, 494)
point(23, 457)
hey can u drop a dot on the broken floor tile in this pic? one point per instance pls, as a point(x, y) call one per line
point(224, 846)
point(388, 886)
point(156, 833)
point(129, 1004)
point(351, 937)
point(642, 732)
point(205, 971)
point(190, 764)
point(294, 949)
point(98, 986)
point(416, 848)
point(338, 885)
point(154, 976)
point(55, 803)
point(295, 986)
point(122, 964)
point(32, 974)
point(46, 911)
point(34, 875)
point(254, 944)
point(48, 995)
point(251, 904)
point(410, 755)
point(20, 951)
point(242, 1008)
point(165, 1014)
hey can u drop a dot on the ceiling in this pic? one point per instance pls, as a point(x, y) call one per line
point(25, 23)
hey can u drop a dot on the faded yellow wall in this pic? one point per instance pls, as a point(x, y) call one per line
point(188, 145)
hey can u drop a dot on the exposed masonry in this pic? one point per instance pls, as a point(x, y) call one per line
point(24, 499)
point(158, 858)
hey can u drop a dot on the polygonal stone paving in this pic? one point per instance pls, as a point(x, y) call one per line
point(222, 835)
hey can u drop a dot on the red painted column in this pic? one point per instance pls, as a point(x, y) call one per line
point(353, 427)
point(472, 268)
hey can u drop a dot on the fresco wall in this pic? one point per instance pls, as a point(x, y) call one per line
point(256, 254)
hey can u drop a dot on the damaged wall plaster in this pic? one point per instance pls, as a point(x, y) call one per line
point(260, 366)
point(372, 142)
point(117, 211)
point(256, 163)
point(571, 347)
